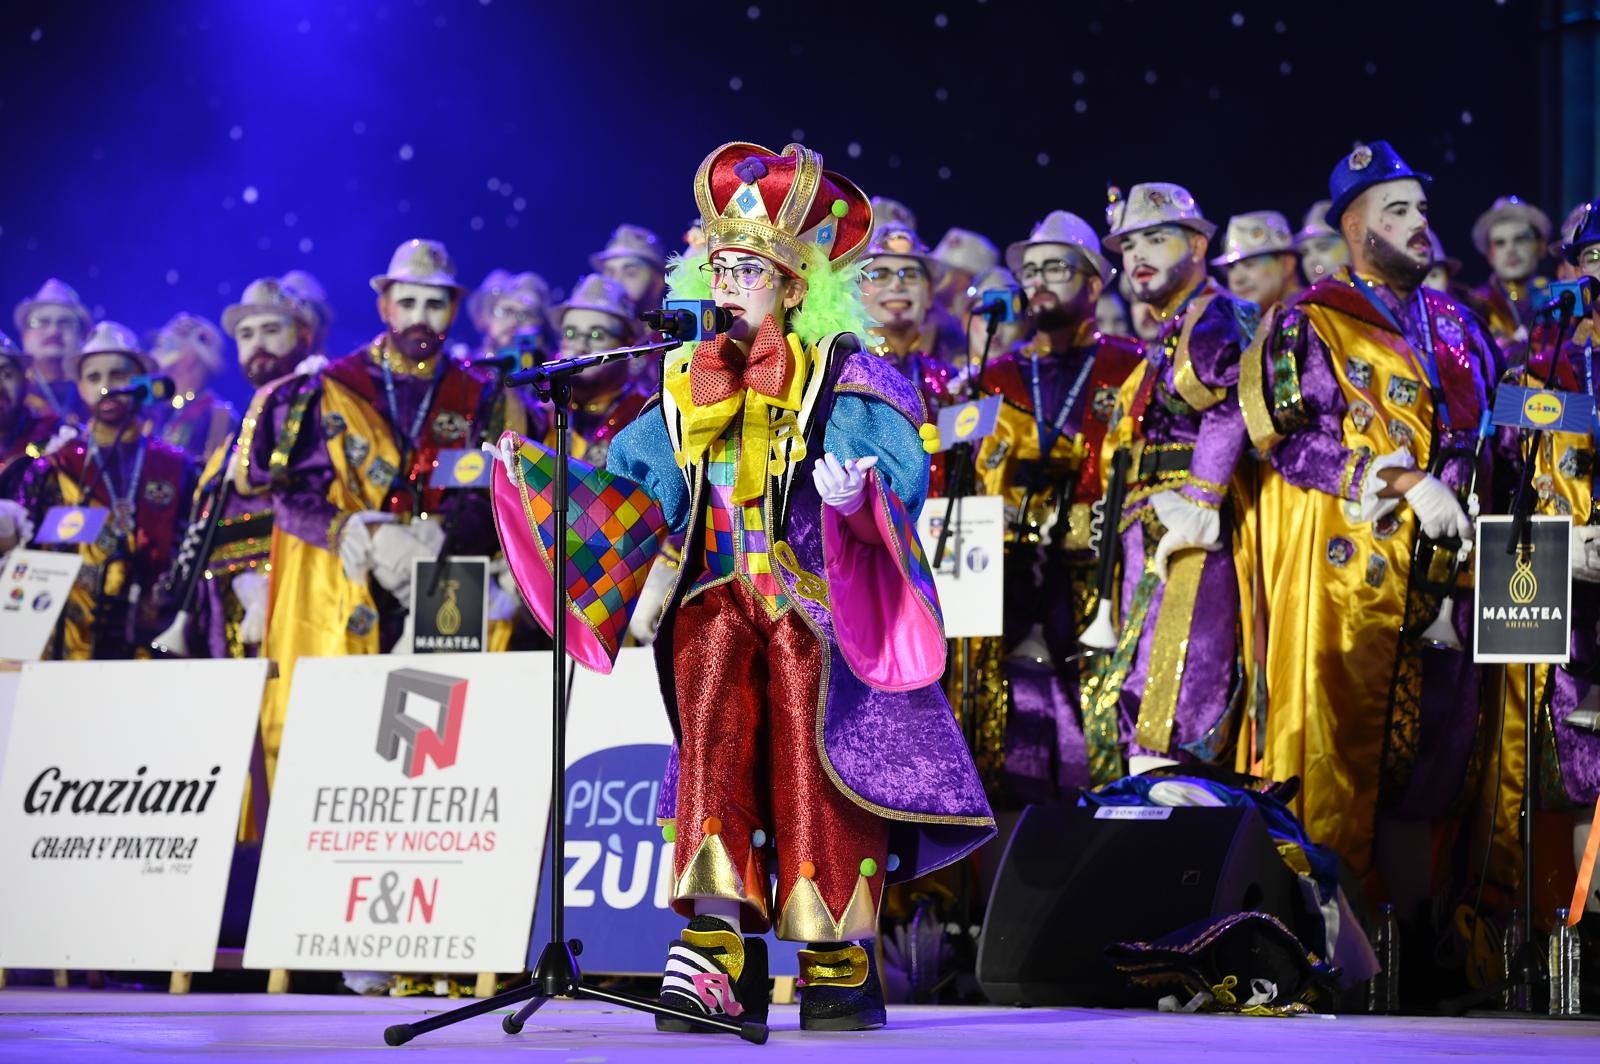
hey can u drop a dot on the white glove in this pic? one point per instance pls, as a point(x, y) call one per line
point(506, 453)
point(311, 364)
point(250, 588)
point(429, 533)
point(355, 544)
point(64, 435)
point(394, 548)
point(647, 611)
point(842, 486)
point(1372, 506)
point(1438, 509)
point(1188, 525)
point(1586, 553)
point(16, 527)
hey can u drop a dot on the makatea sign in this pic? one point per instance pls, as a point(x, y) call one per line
point(1523, 596)
point(408, 815)
point(119, 803)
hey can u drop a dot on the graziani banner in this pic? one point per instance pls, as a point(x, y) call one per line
point(408, 815)
point(618, 868)
point(119, 802)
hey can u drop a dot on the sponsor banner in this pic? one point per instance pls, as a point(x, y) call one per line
point(449, 605)
point(618, 868)
point(408, 815)
point(1543, 408)
point(461, 468)
point(33, 591)
point(72, 524)
point(971, 577)
point(1522, 600)
point(968, 422)
point(119, 803)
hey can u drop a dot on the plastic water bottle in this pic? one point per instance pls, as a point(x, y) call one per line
point(1564, 968)
point(1383, 991)
point(1515, 997)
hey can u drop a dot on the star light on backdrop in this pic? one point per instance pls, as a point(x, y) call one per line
point(165, 153)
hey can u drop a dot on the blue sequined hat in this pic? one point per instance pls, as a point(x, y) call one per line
point(1586, 232)
point(1368, 165)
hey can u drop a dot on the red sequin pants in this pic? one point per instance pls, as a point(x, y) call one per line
point(748, 763)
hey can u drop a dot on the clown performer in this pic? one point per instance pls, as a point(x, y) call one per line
point(1512, 236)
point(111, 611)
point(195, 419)
point(963, 256)
point(1322, 248)
point(1367, 393)
point(344, 456)
point(801, 647)
point(1166, 693)
point(1044, 459)
point(509, 310)
point(1565, 480)
point(52, 325)
point(227, 618)
point(1258, 258)
point(305, 288)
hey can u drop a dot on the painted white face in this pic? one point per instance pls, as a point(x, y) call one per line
point(404, 305)
point(1159, 261)
point(510, 316)
point(51, 331)
point(1394, 216)
point(897, 291)
point(1322, 255)
point(1058, 278)
point(269, 346)
point(584, 330)
point(96, 374)
point(642, 280)
point(1262, 279)
point(751, 287)
point(1589, 262)
point(1514, 250)
point(1111, 317)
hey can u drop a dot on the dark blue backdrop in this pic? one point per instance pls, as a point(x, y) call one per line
point(160, 155)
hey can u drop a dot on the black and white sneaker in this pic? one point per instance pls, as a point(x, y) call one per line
point(713, 971)
point(839, 988)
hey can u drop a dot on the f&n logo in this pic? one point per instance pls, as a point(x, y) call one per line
point(422, 744)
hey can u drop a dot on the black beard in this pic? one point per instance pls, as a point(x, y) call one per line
point(1178, 280)
point(264, 370)
point(1393, 266)
point(1053, 318)
point(417, 341)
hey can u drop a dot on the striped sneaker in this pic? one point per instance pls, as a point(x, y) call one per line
point(712, 971)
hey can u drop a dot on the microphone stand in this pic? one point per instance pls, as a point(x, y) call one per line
point(557, 974)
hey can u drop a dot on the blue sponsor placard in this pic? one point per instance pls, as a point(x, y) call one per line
point(1543, 408)
point(968, 422)
point(461, 468)
point(72, 524)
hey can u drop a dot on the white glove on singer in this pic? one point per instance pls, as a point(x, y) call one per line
point(1438, 509)
point(647, 611)
point(842, 485)
point(1372, 505)
point(1188, 525)
point(250, 588)
point(395, 547)
point(1586, 553)
point(355, 544)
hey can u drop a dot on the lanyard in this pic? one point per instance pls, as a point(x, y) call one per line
point(122, 506)
point(1588, 384)
point(394, 409)
point(1050, 432)
point(1427, 365)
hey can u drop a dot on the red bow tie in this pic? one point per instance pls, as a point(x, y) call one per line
point(719, 369)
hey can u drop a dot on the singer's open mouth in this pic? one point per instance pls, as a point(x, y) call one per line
point(1143, 273)
point(732, 308)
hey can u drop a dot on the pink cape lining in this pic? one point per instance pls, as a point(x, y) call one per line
point(889, 637)
point(534, 571)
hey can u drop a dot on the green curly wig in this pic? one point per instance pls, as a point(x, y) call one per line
point(832, 303)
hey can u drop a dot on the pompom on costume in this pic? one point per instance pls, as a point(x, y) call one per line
point(801, 648)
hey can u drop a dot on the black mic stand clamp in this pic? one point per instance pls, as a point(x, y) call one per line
point(557, 974)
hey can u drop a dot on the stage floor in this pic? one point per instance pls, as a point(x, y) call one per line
point(91, 1026)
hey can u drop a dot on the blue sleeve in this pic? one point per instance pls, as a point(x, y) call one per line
point(642, 452)
point(861, 425)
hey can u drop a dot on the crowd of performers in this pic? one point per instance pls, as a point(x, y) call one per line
point(1290, 418)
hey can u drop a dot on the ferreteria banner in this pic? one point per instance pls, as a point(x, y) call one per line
point(119, 802)
point(1523, 597)
point(408, 815)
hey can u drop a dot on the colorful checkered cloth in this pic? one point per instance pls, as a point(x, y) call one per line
point(736, 544)
point(614, 531)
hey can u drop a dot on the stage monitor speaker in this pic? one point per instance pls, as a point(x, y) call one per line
point(1075, 880)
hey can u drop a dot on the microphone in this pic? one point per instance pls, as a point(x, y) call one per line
point(1000, 304)
point(508, 359)
point(145, 388)
point(689, 320)
point(1568, 298)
